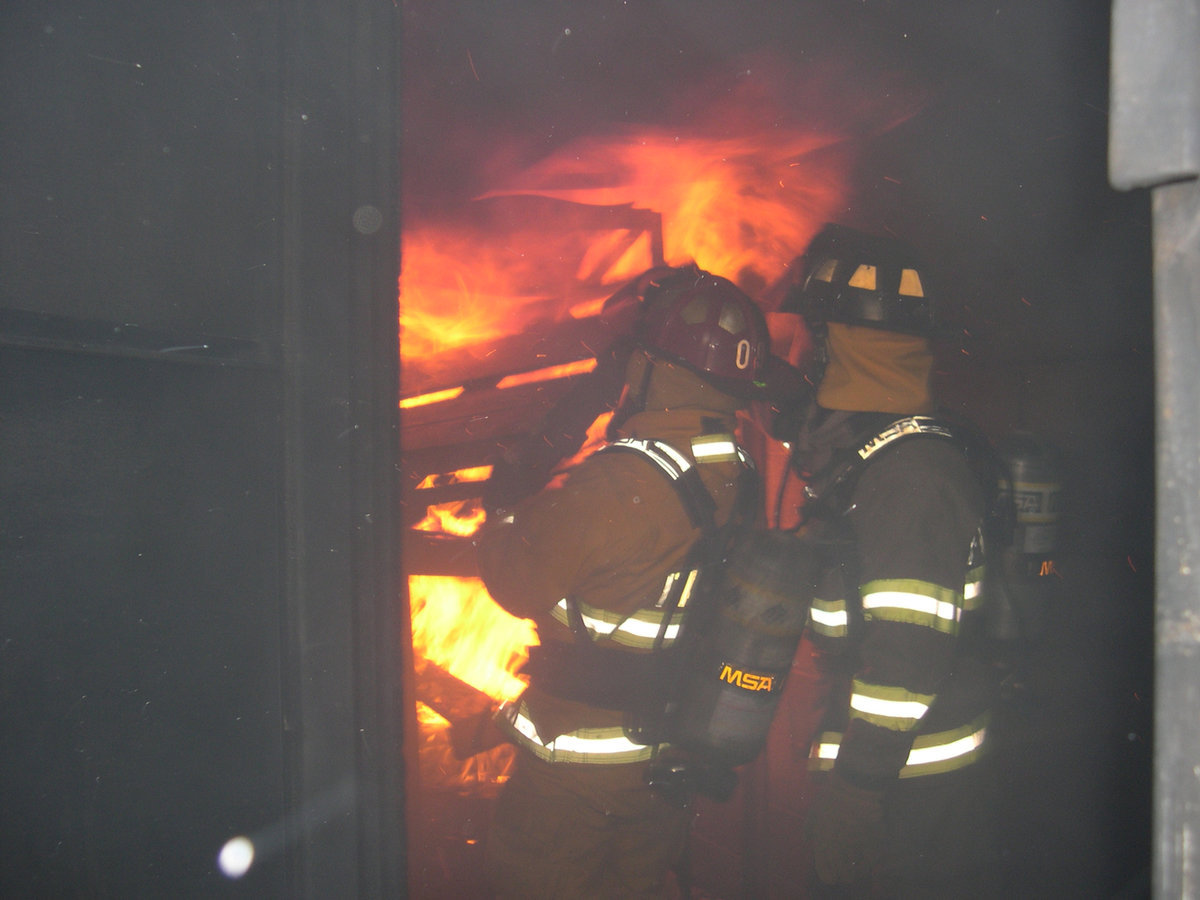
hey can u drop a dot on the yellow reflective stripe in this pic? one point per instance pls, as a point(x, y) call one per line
point(893, 708)
point(947, 750)
point(973, 589)
point(684, 595)
point(914, 602)
point(829, 617)
point(931, 754)
point(639, 629)
point(602, 746)
point(653, 449)
point(824, 751)
point(710, 448)
point(706, 448)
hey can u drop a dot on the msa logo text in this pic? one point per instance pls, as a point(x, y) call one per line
point(747, 681)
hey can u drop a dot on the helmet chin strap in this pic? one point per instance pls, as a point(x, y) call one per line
point(819, 330)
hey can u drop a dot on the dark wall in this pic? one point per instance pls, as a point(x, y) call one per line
point(141, 666)
point(200, 619)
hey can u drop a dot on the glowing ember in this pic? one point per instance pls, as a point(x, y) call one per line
point(458, 476)
point(431, 397)
point(549, 373)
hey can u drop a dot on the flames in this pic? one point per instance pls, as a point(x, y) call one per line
point(455, 624)
point(458, 627)
point(742, 207)
point(742, 200)
point(458, 630)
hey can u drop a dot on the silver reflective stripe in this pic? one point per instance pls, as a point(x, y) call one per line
point(714, 448)
point(639, 629)
point(931, 754)
point(898, 429)
point(829, 617)
point(973, 597)
point(655, 450)
point(601, 746)
point(705, 448)
point(973, 590)
point(936, 753)
point(825, 750)
point(903, 710)
point(888, 706)
point(942, 615)
point(686, 593)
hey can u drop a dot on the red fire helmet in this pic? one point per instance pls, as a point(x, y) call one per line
point(714, 329)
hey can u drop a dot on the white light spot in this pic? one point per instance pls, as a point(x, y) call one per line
point(236, 857)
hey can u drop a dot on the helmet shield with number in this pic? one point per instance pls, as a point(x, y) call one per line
point(713, 328)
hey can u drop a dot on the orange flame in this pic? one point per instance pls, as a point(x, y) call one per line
point(742, 207)
point(458, 627)
point(458, 517)
point(463, 286)
point(742, 199)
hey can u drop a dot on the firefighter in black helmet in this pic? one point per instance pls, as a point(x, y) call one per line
point(900, 803)
point(601, 565)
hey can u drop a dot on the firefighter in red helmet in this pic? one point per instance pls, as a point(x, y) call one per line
point(601, 565)
point(900, 493)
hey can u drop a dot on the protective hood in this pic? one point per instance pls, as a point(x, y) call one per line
point(871, 370)
point(672, 398)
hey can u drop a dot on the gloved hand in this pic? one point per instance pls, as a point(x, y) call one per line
point(516, 474)
point(845, 831)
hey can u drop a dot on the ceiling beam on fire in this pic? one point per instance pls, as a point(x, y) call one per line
point(540, 345)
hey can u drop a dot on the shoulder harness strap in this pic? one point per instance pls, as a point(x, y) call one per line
point(682, 473)
point(850, 465)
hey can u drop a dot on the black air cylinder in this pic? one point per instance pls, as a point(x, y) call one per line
point(737, 672)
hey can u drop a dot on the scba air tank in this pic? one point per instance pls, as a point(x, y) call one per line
point(737, 671)
point(1032, 492)
point(1035, 488)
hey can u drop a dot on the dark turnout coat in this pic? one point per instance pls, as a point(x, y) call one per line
point(898, 617)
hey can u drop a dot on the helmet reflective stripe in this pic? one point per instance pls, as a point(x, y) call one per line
point(931, 754)
point(829, 617)
point(607, 746)
point(912, 601)
point(888, 707)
